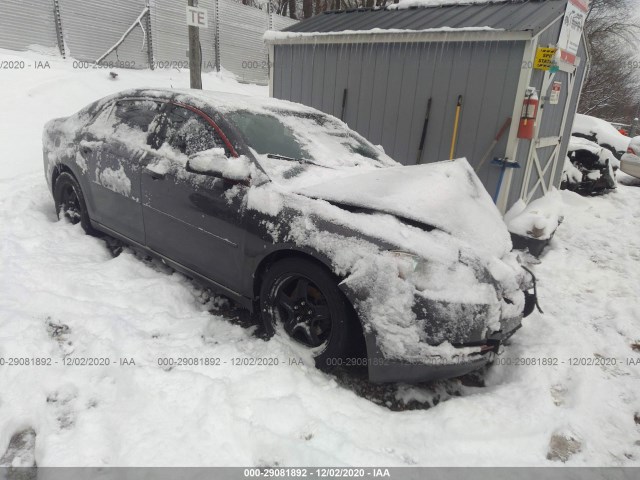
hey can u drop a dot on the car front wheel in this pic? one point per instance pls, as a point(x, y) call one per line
point(302, 300)
point(69, 201)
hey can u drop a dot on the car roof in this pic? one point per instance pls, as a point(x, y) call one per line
point(220, 101)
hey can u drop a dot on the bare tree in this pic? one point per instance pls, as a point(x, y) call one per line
point(612, 88)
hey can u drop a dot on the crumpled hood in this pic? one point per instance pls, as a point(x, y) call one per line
point(447, 195)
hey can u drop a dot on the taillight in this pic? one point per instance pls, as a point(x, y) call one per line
point(630, 150)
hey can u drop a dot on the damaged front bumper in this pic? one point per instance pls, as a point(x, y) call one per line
point(383, 370)
point(467, 333)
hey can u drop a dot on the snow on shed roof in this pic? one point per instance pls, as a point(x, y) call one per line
point(511, 16)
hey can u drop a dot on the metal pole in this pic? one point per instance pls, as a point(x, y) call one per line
point(149, 38)
point(195, 54)
point(635, 127)
point(57, 18)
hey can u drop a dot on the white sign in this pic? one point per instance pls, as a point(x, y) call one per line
point(197, 17)
point(556, 88)
point(572, 26)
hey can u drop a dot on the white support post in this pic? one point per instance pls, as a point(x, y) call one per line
point(271, 65)
point(572, 81)
point(512, 140)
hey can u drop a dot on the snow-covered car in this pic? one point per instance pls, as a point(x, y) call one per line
point(406, 270)
point(630, 162)
point(589, 168)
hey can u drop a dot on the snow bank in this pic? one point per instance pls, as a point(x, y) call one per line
point(539, 219)
point(604, 132)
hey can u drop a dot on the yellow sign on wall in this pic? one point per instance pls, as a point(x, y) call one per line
point(544, 58)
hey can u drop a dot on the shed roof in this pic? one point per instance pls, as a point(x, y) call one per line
point(512, 16)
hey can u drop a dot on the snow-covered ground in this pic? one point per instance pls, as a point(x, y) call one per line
point(63, 294)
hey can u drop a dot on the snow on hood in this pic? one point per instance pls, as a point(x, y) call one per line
point(447, 195)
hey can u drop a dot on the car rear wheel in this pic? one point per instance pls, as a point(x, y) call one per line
point(69, 201)
point(301, 299)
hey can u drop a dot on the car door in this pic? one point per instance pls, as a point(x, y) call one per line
point(190, 218)
point(113, 147)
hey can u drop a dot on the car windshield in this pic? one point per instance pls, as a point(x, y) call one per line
point(307, 137)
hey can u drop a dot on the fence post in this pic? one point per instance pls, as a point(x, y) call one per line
point(635, 127)
point(216, 34)
point(57, 18)
point(269, 27)
point(148, 35)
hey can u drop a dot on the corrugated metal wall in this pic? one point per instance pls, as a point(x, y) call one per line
point(242, 50)
point(278, 22)
point(24, 23)
point(169, 33)
point(91, 27)
point(388, 87)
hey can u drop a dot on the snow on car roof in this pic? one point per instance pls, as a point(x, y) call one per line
point(221, 101)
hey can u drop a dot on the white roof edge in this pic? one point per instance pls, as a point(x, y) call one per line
point(381, 35)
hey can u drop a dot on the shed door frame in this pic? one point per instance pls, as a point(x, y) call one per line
point(533, 160)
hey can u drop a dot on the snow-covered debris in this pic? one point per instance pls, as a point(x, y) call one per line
point(539, 219)
point(602, 131)
point(604, 154)
point(589, 168)
point(570, 173)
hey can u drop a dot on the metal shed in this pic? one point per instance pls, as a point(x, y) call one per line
point(381, 70)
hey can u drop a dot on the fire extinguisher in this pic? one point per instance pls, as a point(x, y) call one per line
point(529, 114)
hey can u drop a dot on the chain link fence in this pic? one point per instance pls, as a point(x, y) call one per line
point(142, 33)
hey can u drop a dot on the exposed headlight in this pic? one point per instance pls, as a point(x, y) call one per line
point(407, 263)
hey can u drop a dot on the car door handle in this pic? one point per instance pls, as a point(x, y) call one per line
point(155, 175)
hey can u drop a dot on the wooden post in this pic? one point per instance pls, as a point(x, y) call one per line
point(195, 55)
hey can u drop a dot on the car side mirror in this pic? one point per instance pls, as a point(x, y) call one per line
point(215, 163)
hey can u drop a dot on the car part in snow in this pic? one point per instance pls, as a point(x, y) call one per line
point(531, 299)
point(303, 298)
point(526, 129)
point(495, 141)
point(69, 201)
point(596, 177)
point(456, 122)
point(423, 135)
point(503, 163)
point(534, 246)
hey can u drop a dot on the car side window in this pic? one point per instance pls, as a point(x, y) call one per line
point(189, 133)
point(136, 114)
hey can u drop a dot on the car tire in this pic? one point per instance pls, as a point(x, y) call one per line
point(70, 203)
point(303, 298)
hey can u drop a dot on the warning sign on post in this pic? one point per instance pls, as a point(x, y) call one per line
point(572, 26)
point(556, 88)
point(544, 58)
